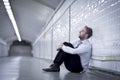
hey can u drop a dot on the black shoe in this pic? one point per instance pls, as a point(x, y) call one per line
point(52, 68)
point(52, 65)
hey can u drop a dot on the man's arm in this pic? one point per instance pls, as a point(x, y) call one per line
point(83, 48)
point(75, 42)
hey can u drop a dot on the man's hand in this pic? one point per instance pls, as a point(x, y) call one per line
point(59, 47)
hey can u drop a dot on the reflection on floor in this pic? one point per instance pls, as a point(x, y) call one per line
point(29, 68)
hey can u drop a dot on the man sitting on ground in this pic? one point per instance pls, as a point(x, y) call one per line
point(76, 55)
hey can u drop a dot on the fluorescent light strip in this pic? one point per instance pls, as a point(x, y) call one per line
point(11, 16)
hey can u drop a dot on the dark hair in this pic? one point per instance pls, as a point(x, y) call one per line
point(89, 31)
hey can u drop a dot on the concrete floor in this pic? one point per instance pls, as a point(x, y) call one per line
point(29, 68)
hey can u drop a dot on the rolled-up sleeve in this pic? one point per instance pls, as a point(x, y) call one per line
point(83, 48)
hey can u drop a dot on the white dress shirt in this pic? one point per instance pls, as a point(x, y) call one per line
point(83, 48)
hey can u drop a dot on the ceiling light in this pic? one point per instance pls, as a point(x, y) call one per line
point(6, 3)
point(5, 0)
point(7, 7)
point(11, 16)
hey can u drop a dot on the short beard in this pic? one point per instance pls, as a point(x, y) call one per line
point(80, 38)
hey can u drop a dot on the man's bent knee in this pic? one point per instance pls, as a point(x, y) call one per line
point(68, 44)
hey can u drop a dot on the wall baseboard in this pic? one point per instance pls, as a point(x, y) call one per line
point(104, 70)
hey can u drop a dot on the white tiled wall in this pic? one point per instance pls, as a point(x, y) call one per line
point(60, 31)
point(3, 48)
point(102, 15)
point(48, 44)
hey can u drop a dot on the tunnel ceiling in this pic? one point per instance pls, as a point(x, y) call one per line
point(30, 16)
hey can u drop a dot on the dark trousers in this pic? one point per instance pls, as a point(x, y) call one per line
point(72, 61)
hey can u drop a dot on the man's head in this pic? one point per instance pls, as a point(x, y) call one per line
point(85, 33)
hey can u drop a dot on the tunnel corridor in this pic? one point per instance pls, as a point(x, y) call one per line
point(31, 30)
point(22, 48)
